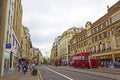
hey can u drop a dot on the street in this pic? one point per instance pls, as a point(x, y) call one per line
point(56, 73)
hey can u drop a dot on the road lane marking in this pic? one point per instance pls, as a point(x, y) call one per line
point(59, 73)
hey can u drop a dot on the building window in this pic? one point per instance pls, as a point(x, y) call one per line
point(98, 48)
point(74, 30)
point(102, 35)
point(13, 40)
point(93, 31)
point(90, 40)
point(94, 49)
point(105, 34)
point(118, 41)
point(86, 42)
point(7, 37)
point(107, 23)
point(103, 48)
point(108, 33)
point(109, 45)
point(101, 26)
point(88, 33)
point(97, 37)
point(93, 39)
point(118, 29)
point(9, 18)
point(96, 29)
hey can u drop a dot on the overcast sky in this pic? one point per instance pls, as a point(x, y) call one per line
point(47, 19)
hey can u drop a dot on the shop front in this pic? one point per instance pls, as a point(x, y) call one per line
point(6, 62)
point(117, 56)
point(106, 60)
point(104, 57)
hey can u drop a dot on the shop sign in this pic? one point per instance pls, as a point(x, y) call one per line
point(8, 46)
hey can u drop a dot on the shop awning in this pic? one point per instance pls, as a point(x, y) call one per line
point(24, 60)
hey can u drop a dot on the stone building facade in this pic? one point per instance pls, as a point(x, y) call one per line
point(101, 38)
point(10, 36)
point(3, 11)
point(64, 44)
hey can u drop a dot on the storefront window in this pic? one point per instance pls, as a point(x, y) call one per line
point(6, 62)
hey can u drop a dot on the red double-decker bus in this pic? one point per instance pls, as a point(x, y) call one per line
point(57, 62)
point(83, 60)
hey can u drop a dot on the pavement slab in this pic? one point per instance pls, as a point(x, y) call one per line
point(19, 76)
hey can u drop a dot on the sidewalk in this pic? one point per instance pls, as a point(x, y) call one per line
point(19, 76)
point(100, 68)
point(110, 69)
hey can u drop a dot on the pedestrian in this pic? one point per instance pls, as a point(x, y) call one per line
point(33, 65)
point(102, 64)
point(18, 67)
point(35, 70)
point(32, 71)
point(24, 68)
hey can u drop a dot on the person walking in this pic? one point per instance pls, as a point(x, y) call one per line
point(24, 68)
point(35, 71)
point(18, 67)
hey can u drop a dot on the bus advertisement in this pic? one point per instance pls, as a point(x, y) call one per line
point(58, 62)
point(84, 60)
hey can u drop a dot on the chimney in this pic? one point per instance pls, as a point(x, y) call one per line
point(107, 7)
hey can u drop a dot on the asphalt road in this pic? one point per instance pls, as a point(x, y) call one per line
point(55, 73)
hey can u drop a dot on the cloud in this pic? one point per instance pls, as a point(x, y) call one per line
point(48, 19)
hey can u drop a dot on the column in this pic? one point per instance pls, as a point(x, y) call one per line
point(3, 16)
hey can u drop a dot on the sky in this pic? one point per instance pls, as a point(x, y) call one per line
point(47, 19)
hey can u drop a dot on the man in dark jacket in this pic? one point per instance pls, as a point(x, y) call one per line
point(25, 68)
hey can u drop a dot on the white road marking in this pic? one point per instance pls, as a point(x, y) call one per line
point(59, 73)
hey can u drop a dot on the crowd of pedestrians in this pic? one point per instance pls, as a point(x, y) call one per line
point(27, 67)
point(110, 64)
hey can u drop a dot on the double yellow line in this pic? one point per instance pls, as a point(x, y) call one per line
point(40, 76)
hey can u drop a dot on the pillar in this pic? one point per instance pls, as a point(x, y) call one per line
point(3, 11)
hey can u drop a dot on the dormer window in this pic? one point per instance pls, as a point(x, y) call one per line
point(115, 17)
